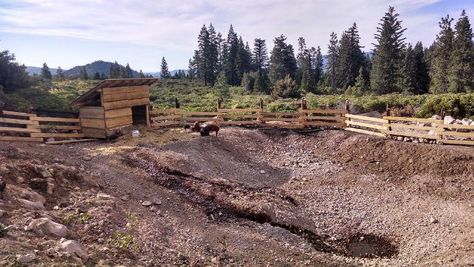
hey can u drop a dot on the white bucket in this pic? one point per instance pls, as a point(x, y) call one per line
point(135, 133)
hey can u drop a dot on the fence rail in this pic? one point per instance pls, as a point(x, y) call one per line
point(252, 117)
point(428, 129)
point(29, 127)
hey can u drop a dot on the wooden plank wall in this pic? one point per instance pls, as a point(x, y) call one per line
point(20, 126)
point(125, 97)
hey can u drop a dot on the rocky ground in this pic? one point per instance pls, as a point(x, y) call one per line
point(247, 197)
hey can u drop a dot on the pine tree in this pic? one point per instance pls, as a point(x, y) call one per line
point(408, 80)
point(244, 59)
point(317, 65)
point(333, 54)
point(441, 57)
point(422, 78)
point(60, 73)
point(103, 76)
point(96, 76)
point(83, 73)
point(128, 71)
point(141, 75)
point(350, 58)
point(192, 67)
point(461, 69)
point(387, 61)
point(230, 67)
point(282, 60)
point(165, 74)
point(260, 64)
point(213, 54)
point(12, 75)
point(260, 55)
point(45, 72)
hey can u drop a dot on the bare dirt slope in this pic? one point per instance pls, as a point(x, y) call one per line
point(247, 197)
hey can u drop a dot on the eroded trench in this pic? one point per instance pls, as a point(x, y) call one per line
point(216, 197)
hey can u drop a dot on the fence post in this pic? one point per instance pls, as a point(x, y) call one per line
point(219, 103)
point(303, 113)
point(176, 103)
point(260, 116)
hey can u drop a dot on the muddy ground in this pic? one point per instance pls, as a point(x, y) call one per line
point(247, 197)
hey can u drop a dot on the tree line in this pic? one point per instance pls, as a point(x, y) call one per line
point(393, 66)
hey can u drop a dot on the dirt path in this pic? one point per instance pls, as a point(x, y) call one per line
point(251, 197)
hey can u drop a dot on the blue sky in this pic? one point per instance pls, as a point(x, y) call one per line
point(74, 32)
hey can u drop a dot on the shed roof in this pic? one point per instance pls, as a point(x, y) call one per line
point(111, 83)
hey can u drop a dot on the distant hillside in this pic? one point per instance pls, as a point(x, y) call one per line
point(158, 73)
point(37, 70)
point(91, 68)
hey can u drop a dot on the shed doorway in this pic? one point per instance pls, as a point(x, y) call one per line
point(139, 115)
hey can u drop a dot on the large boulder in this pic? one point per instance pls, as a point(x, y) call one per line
point(72, 248)
point(449, 120)
point(45, 226)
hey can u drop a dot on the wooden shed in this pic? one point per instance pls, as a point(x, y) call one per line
point(114, 104)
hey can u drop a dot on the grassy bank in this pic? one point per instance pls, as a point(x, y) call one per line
point(193, 96)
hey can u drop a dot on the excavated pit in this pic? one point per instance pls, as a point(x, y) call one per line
point(215, 190)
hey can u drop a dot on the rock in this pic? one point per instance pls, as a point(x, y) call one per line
point(103, 196)
point(33, 205)
point(32, 195)
point(147, 203)
point(156, 201)
point(50, 186)
point(434, 220)
point(25, 258)
point(72, 248)
point(436, 117)
point(153, 208)
point(449, 120)
point(125, 198)
point(45, 173)
point(466, 121)
point(87, 158)
point(431, 132)
point(20, 179)
point(262, 171)
point(3, 213)
point(458, 122)
point(45, 226)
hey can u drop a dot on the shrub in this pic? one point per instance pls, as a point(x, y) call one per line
point(285, 88)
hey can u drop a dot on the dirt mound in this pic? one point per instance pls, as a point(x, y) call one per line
point(218, 158)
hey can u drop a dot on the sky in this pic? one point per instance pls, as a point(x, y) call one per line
point(68, 33)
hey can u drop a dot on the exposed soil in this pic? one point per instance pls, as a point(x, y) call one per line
point(247, 197)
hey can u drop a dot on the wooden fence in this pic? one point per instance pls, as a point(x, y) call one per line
point(252, 117)
point(20, 126)
point(417, 128)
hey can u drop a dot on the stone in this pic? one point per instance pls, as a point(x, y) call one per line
point(45, 226)
point(153, 208)
point(125, 198)
point(25, 258)
point(87, 158)
point(72, 248)
point(434, 220)
point(431, 132)
point(156, 201)
point(449, 120)
point(458, 122)
point(20, 179)
point(147, 203)
point(262, 171)
point(3, 213)
point(103, 196)
point(466, 121)
point(33, 205)
point(436, 117)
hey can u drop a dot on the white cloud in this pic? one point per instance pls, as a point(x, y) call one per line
point(172, 26)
